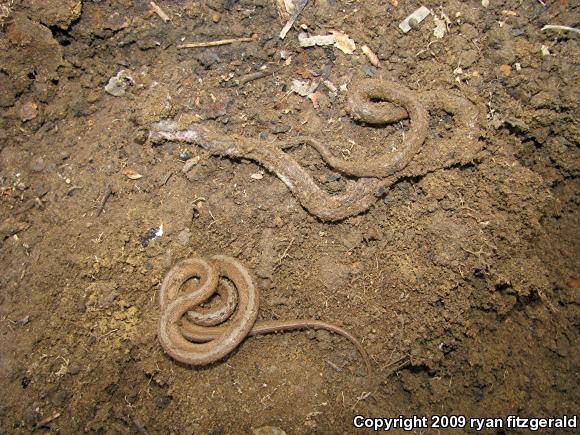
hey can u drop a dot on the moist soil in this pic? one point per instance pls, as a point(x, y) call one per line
point(461, 282)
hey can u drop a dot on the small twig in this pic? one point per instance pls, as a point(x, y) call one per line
point(48, 420)
point(297, 10)
point(398, 364)
point(107, 333)
point(214, 221)
point(334, 366)
point(285, 254)
point(363, 396)
point(556, 27)
point(216, 43)
point(108, 191)
point(242, 80)
point(72, 189)
point(159, 11)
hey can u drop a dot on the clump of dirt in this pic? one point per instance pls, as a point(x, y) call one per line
point(461, 281)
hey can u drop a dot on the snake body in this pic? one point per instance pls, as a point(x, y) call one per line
point(374, 175)
point(196, 337)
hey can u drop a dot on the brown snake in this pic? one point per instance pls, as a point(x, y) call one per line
point(192, 336)
point(376, 174)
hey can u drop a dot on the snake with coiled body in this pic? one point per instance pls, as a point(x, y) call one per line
point(196, 336)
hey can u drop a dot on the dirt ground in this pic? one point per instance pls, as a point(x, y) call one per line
point(461, 281)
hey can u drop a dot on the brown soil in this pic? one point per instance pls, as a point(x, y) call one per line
point(462, 282)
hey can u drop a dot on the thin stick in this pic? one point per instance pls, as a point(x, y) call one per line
point(214, 221)
point(108, 191)
point(159, 11)
point(253, 76)
point(48, 420)
point(215, 43)
point(285, 254)
point(556, 27)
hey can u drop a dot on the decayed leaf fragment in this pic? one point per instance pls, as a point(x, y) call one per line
point(131, 174)
point(343, 42)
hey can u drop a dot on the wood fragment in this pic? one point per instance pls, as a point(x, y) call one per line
point(311, 41)
point(297, 10)
point(283, 11)
point(157, 9)
point(556, 27)
point(216, 43)
point(371, 56)
point(108, 191)
point(415, 18)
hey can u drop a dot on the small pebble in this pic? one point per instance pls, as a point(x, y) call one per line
point(25, 382)
point(31, 416)
point(278, 300)
point(140, 137)
point(373, 234)
point(184, 156)
point(360, 372)
point(369, 70)
point(28, 111)
point(184, 236)
point(23, 321)
point(332, 178)
point(190, 164)
point(74, 369)
point(37, 165)
point(280, 129)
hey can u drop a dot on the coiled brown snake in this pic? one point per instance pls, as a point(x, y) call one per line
point(192, 336)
